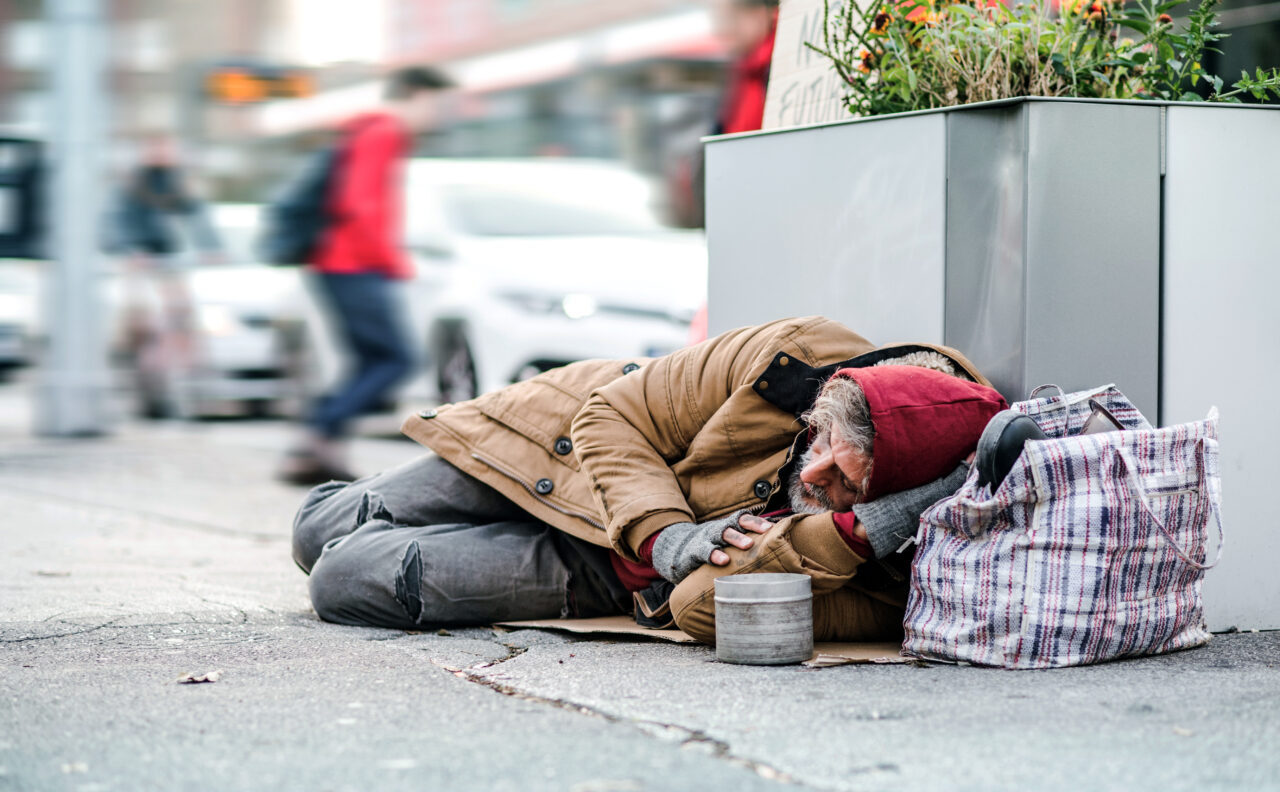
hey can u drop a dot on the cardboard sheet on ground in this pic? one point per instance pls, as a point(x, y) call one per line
point(824, 654)
point(601, 625)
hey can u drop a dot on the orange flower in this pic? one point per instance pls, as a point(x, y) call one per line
point(921, 14)
point(1164, 19)
point(866, 62)
point(881, 22)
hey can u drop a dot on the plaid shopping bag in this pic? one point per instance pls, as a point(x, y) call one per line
point(1093, 548)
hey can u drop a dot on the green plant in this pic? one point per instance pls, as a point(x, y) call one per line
point(901, 55)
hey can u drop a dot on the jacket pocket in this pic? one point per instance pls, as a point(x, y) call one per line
point(534, 492)
point(541, 412)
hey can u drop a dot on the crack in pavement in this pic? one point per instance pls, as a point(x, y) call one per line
point(114, 624)
point(28, 638)
point(241, 617)
point(718, 749)
point(244, 615)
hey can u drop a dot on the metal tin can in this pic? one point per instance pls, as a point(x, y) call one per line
point(764, 619)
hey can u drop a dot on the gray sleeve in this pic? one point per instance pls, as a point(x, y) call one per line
point(893, 519)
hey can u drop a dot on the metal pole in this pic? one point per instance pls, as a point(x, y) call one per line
point(73, 388)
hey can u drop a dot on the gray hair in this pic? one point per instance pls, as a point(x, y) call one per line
point(842, 404)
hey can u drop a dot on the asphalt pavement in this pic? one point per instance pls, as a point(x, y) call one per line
point(162, 550)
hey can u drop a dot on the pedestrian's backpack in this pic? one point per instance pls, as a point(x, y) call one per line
point(1092, 548)
point(295, 220)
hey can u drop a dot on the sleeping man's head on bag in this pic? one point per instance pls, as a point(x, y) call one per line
point(887, 429)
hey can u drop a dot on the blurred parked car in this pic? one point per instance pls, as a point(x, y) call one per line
point(525, 265)
point(242, 360)
point(19, 283)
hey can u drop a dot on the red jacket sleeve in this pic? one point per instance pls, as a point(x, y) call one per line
point(636, 576)
point(844, 524)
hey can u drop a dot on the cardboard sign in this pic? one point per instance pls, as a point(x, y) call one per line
point(804, 88)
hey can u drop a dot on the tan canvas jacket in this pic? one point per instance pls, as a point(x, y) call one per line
point(614, 451)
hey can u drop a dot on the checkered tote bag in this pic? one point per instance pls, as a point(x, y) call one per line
point(1093, 548)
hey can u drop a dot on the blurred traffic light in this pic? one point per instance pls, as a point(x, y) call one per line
point(251, 84)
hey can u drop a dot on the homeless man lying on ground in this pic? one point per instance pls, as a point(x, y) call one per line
point(599, 487)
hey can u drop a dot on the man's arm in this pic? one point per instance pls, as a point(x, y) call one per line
point(631, 431)
point(888, 522)
point(875, 529)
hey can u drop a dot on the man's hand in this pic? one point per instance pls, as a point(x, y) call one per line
point(747, 522)
point(683, 547)
point(860, 530)
point(890, 521)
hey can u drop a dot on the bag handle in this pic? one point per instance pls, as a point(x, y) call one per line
point(1063, 403)
point(1036, 390)
point(1135, 484)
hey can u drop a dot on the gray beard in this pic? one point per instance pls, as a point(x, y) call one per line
point(803, 499)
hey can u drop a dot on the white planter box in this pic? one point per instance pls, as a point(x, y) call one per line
point(1077, 242)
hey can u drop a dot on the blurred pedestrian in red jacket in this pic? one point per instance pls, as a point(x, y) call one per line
point(357, 262)
point(748, 28)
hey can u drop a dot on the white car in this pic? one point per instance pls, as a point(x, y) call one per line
point(19, 296)
point(525, 265)
point(243, 314)
point(242, 362)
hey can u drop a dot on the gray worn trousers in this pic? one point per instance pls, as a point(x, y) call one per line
point(425, 544)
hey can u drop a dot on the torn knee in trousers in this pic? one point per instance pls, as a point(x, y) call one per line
point(409, 582)
point(372, 507)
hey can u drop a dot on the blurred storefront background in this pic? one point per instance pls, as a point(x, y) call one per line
point(634, 80)
point(243, 92)
point(247, 86)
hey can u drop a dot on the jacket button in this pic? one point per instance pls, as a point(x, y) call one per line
point(763, 489)
point(563, 446)
point(428, 413)
point(764, 384)
point(784, 360)
point(544, 486)
point(630, 367)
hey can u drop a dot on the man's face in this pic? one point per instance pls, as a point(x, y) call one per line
point(833, 475)
point(420, 110)
point(160, 150)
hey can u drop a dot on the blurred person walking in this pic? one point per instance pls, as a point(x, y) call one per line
point(356, 264)
point(154, 205)
point(747, 28)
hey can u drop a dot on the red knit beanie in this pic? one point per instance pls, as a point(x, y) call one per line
point(925, 423)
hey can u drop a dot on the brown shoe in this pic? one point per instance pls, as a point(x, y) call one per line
point(307, 469)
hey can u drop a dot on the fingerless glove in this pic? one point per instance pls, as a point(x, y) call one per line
point(893, 519)
point(683, 547)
